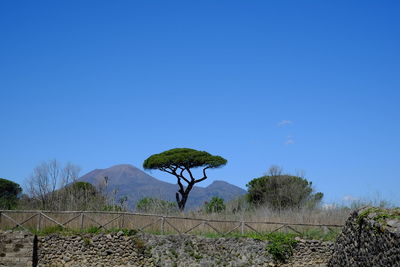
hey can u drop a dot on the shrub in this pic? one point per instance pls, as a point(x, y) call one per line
point(216, 205)
point(9, 194)
point(282, 191)
point(281, 245)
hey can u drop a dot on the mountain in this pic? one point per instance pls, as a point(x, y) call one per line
point(129, 181)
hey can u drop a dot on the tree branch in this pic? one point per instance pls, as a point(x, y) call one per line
point(190, 173)
point(181, 188)
point(181, 175)
point(204, 176)
point(166, 170)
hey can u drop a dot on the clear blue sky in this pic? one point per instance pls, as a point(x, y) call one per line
point(311, 86)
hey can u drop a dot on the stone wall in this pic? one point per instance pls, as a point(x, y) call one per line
point(171, 250)
point(311, 253)
point(17, 249)
point(139, 249)
point(371, 237)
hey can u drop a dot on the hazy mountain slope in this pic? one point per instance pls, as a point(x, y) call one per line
point(136, 184)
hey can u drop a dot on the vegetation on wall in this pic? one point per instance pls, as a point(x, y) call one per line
point(281, 245)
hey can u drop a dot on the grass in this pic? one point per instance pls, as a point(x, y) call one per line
point(187, 221)
point(91, 230)
point(380, 214)
point(314, 233)
point(311, 233)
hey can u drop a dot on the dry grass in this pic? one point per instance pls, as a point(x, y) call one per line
point(261, 220)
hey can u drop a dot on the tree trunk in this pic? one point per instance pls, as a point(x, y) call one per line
point(182, 196)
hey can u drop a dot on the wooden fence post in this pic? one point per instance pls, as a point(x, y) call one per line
point(242, 228)
point(162, 225)
point(81, 221)
point(39, 222)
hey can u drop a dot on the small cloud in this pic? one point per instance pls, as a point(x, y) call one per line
point(289, 141)
point(350, 198)
point(284, 122)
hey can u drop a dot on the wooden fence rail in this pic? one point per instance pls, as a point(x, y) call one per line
point(40, 220)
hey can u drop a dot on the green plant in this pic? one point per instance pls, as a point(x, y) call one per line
point(87, 241)
point(174, 253)
point(154, 205)
point(9, 194)
point(195, 255)
point(282, 191)
point(139, 244)
point(129, 232)
point(281, 245)
point(93, 230)
point(50, 230)
point(216, 205)
point(379, 215)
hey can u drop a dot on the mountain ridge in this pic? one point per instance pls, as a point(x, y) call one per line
point(134, 183)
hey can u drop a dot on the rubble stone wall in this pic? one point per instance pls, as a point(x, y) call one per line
point(118, 249)
point(371, 237)
point(17, 249)
point(172, 250)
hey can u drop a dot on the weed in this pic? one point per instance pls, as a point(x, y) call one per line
point(281, 245)
point(379, 215)
point(87, 241)
point(140, 245)
point(174, 253)
point(92, 230)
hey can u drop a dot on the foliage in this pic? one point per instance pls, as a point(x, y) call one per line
point(281, 245)
point(239, 205)
point(282, 191)
point(112, 208)
point(9, 193)
point(179, 162)
point(216, 205)
point(183, 157)
point(80, 196)
point(154, 205)
point(310, 234)
point(379, 215)
point(82, 187)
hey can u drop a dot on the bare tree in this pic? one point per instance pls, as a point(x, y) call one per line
point(274, 170)
point(47, 178)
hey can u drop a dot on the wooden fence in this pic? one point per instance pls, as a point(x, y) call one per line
point(40, 220)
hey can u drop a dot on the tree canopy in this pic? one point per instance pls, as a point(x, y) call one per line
point(183, 158)
point(179, 162)
point(9, 192)
point(282, 191)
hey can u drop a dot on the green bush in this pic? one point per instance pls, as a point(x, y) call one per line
point(216, 205)
point(281, 245)
point(9, 194)
point(281, 191)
